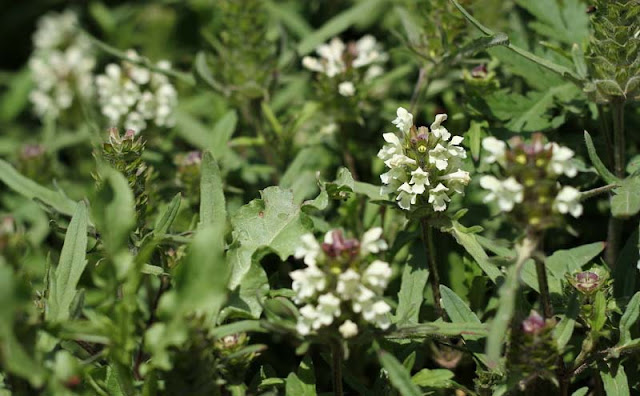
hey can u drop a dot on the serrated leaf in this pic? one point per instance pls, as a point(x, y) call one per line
point(629, 318)
point(413, 283)
point(30, 189)
point(564, 21)
point(273, 222)
point(626, 199)
point(398, 375)
point(70, 267)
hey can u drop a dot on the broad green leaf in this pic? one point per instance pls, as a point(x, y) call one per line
point(563, 262)
point(303, 382)
point(626, 199)
point(564, 329)
point(615, 384)
point(212, 203)
point(30, 189)
point(200, 282)
point(471, 245)
point(274, 222)
point(435, 378)
point(602, 170)
point(581, 392)
point(339, 23)
point(72, 262)
point(629, 318)
point(398, 375)
point(564, 21)
point(458, 310)
point(221, 134)
point(414, 281)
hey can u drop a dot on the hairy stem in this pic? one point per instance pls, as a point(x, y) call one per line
point(614, 232)
point(336, 367)
point(434, 277)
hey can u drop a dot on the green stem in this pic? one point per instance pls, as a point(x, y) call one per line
point(614, 232)
point(336, 367)
point(543, 286)
point(434, 277)
point(596, 191)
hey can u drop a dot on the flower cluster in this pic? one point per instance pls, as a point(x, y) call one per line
point(529, 187)
point(338, 60)
point(135, 95)
point(341, 287)
point(424, 163)
point(61, 65)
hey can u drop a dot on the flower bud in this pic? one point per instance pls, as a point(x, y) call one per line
point(588, 282)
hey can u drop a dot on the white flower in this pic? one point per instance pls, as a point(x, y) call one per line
point(495, 148)
point(454, 149)
point(399, 160)
point(312, 64)
point(568, 201)
point(378, 314)
point(406, 197)
point(331, 55)
point(348, 329)
point(309, 249)
point(507, 192)
point(54, 29)
point(561, 160)
point(393, 148)
point(371, 242)
point(346, 88)
point(306, 282)
point(368, 52)
point(438, 130)
point(363, 299)
point(419, 180)
point(457, 180)
point(136, 94)
point(328, 308)
point(373, 72)
point(439, 156)
point(404, 120)
point(377, 276)
point(306, 320)
point(348, 284)
point(392, 180)
point(438, 197)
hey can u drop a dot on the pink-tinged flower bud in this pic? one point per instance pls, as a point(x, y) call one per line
point(479, 71)
point(339, 246)
point(534, 324)
point(588, 282)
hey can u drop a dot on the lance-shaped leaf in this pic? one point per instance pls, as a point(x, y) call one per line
point(414, 280)
point(398, 375)
point(597, 162)
point(212, 202)
point(30, 189)
point(615, 382)
point(273, 222)
point(629, 317)
point(473, 247)
point(63, 281)
point(425, 330)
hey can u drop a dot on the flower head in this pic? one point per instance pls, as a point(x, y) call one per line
point(424, 163)
point(341, 286)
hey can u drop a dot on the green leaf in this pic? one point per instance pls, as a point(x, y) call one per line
point(435, 378)
point(615, 384)
point(303, 382)
point(167, 218)
point(339, 23)
point(471, 245)
point(623, 284)
point(200, 283)
point(274, 222)
point(458, 310)
point(425, 330)
point(564, 21)
point(628, 319)
point(564, 329)
point(70, 267)
point(567, 261)
point(626, 199)
point(212, 203)
point(599, 314)
point(113, 208)
point(284, 13)
point(398, 375)
point(581, 392)
point(602, 170)
point(475, 133)
point(221, 134)
point(30, 189)
point(414, 281)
